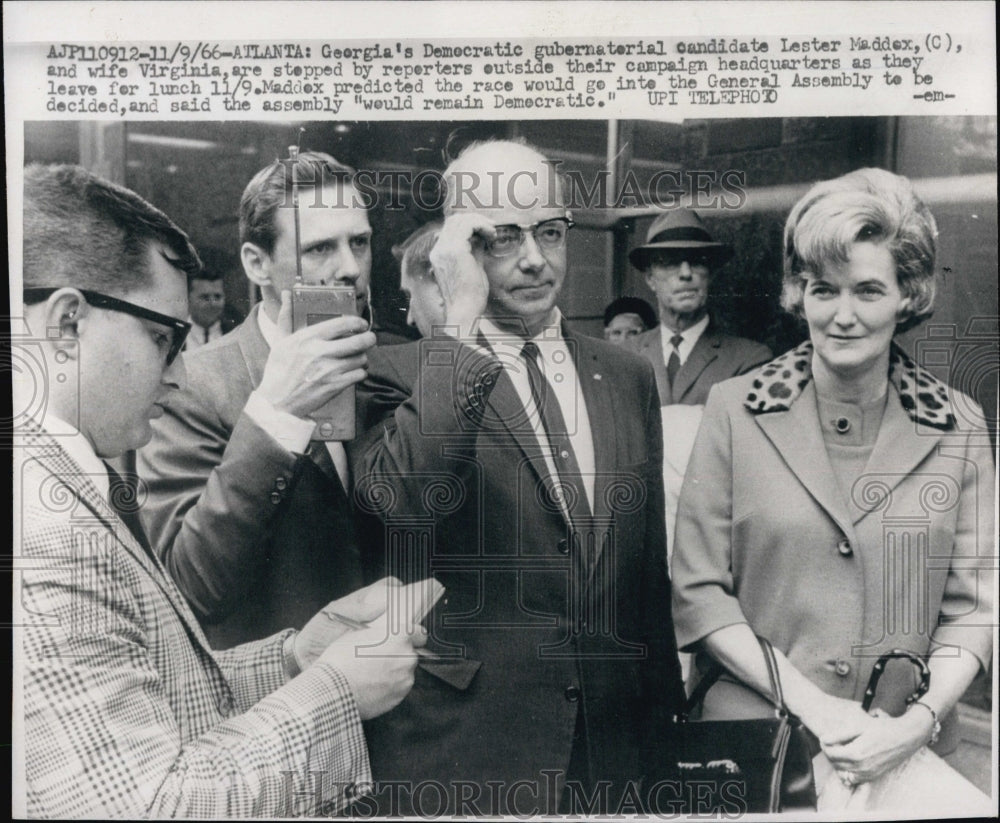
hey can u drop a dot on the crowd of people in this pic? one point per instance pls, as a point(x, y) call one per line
point(227, 633)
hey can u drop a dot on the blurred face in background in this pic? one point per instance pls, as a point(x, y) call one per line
point(206, 299)
point(426, 306)
point(623, 326)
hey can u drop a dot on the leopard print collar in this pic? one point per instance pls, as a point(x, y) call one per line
point(779, 383)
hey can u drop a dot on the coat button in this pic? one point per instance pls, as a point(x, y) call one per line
point(842, 668)
point(226, 706)
point(280, 484)
point(844, 547)
point(572, 693)
point(842, 424)
point(563, 546)
point(276, 498)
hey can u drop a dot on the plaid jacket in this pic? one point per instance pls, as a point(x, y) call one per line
point(127, 711)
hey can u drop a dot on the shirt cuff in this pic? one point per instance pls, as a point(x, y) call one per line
point(293, 433)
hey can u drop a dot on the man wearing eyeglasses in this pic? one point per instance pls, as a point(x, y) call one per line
point(124, 709)
point(252, 514)
point(519, 463)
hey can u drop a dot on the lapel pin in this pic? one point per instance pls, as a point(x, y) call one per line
point(597, 376)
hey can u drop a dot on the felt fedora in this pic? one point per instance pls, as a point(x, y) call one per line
point(679, 230)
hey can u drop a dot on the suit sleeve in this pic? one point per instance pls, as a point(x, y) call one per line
point(420, 411)
point(213, 494)
point(254, 670)
point(704, 597)
point(966, 614)
point(663, 690)
point(107, 736)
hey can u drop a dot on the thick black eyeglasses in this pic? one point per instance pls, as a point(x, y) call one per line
point(549, 235)
point(180, 328)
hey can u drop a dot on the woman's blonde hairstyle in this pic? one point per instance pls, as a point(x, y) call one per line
point(867, 205)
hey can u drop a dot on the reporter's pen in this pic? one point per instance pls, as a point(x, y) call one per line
point(357, 625)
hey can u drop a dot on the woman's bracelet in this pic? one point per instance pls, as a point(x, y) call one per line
point(936, 728)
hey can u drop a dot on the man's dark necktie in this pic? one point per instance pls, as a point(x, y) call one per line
point(320, 455)
point(122, 497)
point(674, 363)
point(564, 457)
point(206, 334)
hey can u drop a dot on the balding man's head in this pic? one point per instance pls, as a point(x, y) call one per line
point(518, 190)
point(499, 174)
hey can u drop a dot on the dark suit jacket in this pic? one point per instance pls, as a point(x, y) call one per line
point(257, 538)
point(714, 358)
point(544, 618)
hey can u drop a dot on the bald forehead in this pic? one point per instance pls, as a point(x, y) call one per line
point(502, 176)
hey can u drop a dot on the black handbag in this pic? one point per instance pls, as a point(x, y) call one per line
point(732, 767)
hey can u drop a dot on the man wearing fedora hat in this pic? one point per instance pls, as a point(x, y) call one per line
point(689, 355)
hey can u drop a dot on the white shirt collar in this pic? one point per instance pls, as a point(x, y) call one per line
point(690, 334)
point(79, 449)
point(689, 337)
point(216, 326)
point(268, 328)
point(550, 332)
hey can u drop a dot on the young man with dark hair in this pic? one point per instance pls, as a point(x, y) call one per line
point(126, 710)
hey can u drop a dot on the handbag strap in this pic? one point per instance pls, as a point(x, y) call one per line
point(880, 664)
point(776, 696)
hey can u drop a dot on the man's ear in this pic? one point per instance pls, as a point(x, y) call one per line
point(255, 261)
point(66, 316)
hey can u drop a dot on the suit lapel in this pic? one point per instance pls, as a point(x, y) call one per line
point(253, 346)
point(796, 435)
point(507, 407)
point(652, 350)
point(600, 410)
point(900, 447)
point(599, 399)
point(60, 465)
point(705, 350)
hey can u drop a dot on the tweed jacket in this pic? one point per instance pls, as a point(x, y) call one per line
point(766, 536)
point(715, 357)
point(258, 539)
point(551, 619)
point(127, 711)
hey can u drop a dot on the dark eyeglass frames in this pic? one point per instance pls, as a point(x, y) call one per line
point(549, 235)
point(180, 328)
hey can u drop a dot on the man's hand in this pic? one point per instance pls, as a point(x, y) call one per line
point(307, 368)
point(460, 274)
point(362, 605)
point(378, 664)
